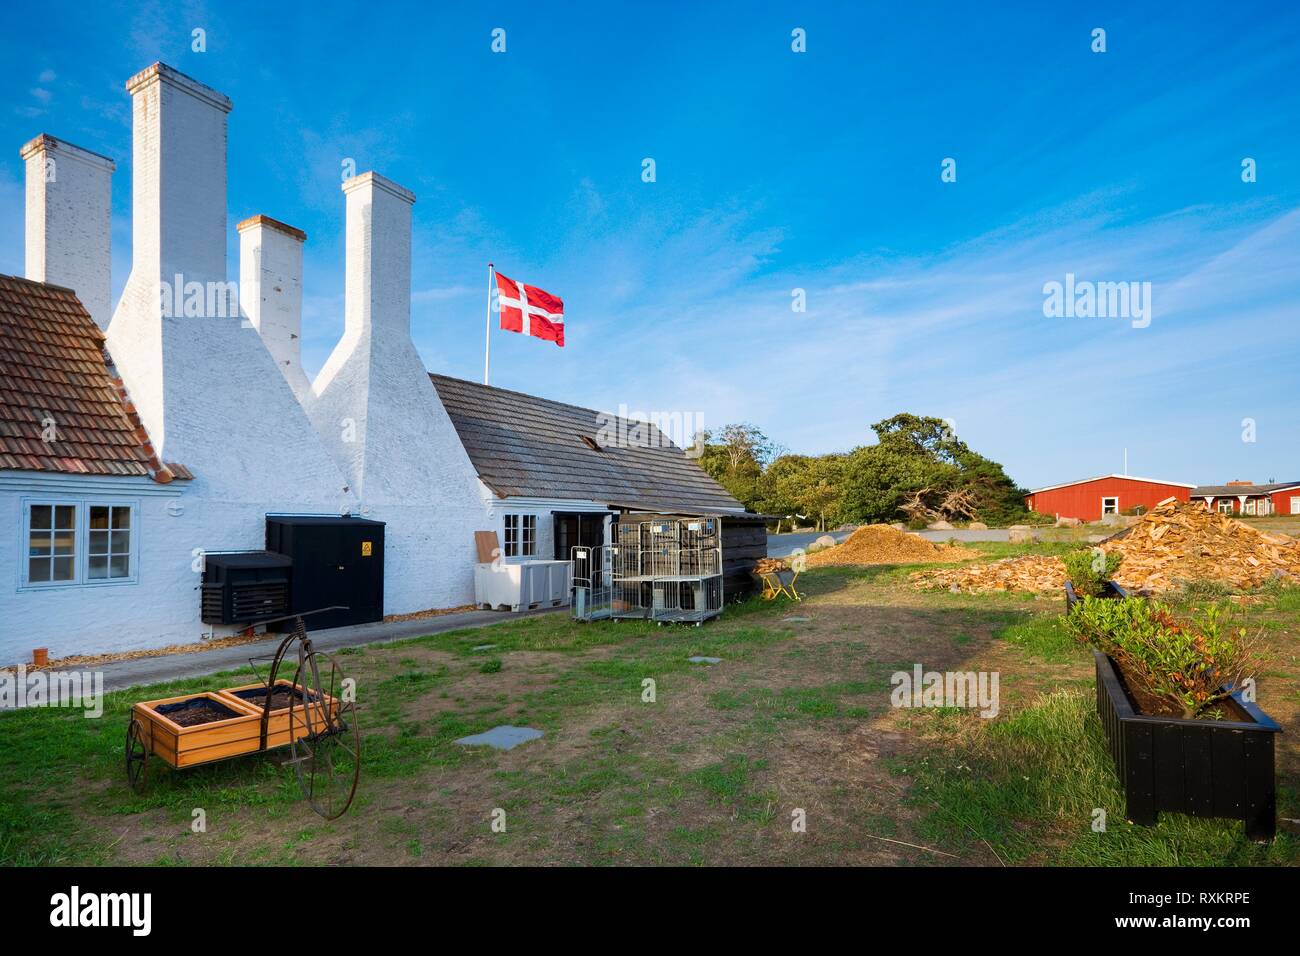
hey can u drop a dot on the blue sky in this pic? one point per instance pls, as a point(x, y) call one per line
point(775, 171)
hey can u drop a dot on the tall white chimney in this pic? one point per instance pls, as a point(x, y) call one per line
point(203, 382)
point(69, 217)
point(377, 272)
point(380, 416)
point(178, 229)
point(270, 292)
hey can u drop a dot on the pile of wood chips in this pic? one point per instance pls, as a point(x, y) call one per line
point(882, 544)
point(1173, 544)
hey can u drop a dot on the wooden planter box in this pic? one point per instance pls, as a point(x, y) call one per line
point(188, 746)
point(277, 725)
point(1204, 768)
point(1113, 591)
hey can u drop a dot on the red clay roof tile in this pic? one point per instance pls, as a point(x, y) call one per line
point(54, 371)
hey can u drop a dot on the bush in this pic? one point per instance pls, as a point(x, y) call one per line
point(1187, 666)
point(1089, 570)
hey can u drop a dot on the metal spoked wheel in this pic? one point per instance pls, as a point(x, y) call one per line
point(326, 736)
point(137, 756)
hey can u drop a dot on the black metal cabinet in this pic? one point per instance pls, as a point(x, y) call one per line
point(244, 587)
point(336, 561)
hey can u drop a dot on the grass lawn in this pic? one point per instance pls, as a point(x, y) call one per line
point(795, 719)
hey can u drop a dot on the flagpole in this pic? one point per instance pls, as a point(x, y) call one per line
point(487, 332)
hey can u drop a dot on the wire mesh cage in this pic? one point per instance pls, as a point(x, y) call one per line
point(592, 591)
point(666, 569)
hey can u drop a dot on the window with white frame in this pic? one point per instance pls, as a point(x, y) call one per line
point(51, 543)
point(1295, 505)
point(1250, 506)
point(78, 542)
point(1225, 506)
point(108, 545)
point(1110, 506)
point(520, 536)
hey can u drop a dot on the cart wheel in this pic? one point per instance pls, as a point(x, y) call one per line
point(326, 740)
point(137, 757)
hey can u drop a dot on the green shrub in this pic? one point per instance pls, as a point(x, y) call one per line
point(1089, 570)
point(1185, 664)
point(491, 666)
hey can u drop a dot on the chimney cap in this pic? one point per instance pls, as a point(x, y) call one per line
point(47, 142)
point(269, 223)
point(162, 73)
point(374, 179)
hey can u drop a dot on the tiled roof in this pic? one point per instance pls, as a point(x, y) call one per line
point(1232, 491)
point(54, 372)
point(525, 446)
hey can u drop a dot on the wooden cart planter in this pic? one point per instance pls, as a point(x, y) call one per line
point(319, 725)
point(281, 719)
point(1204, 768)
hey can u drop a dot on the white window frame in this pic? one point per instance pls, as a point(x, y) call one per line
point(519, 535)
point(1115, 506)
point(1250, 506)
point(81, 542)
point(1219, 506)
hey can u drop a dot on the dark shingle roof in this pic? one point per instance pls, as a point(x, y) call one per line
point(1233, 490)
point(53, 366)
point(526, 446)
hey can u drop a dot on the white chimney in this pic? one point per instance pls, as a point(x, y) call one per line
point(69, 216)
point(178, 229)
point(377, 272)
point(270, 292)
point(203, 381)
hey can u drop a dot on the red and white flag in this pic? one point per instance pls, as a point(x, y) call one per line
point(530, 310)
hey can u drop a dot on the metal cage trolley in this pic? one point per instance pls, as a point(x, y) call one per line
point(664, 569)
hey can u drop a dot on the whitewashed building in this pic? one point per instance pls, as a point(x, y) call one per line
point(135, 440)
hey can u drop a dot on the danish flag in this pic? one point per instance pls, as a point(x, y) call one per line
point(530, 310)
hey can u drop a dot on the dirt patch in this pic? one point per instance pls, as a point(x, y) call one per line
point(196, 711)
point(882, 544)
point(281, 698)
point(1175, 543)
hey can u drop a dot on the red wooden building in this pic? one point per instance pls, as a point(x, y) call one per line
point(1090, 498)
point(1248, 498)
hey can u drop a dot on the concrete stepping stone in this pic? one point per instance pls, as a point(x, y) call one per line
point(503, 737)
point(483, 647)
point(795, 620)
point(705, 660)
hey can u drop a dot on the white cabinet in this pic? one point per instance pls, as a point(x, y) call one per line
point(522, 586)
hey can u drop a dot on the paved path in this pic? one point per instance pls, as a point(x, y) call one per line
point(783, 545)
point(151, 670)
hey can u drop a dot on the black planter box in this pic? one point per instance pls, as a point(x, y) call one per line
point(1113, 591)
point(1204, 768)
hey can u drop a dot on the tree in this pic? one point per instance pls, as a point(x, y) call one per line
point(736, 457)
point(919, 468)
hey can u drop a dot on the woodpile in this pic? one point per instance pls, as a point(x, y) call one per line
point(882, 544)
point(1173, 544)
point(771, 565)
